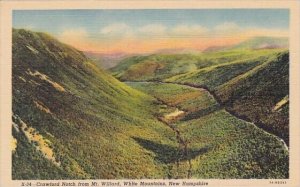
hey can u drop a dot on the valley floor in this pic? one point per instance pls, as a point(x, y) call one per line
point(212, 143)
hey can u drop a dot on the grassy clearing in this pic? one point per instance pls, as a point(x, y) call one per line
point(183, 97)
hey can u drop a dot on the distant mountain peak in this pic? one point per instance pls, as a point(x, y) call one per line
point(263, 42)
point(259, 42)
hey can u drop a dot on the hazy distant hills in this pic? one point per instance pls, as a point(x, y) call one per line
point(254, 43)
point(110, 60)
point(215, 48)
point(177, 51)
point(263, 43)
point(104, 60)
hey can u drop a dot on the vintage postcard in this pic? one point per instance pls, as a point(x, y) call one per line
point(150, 93)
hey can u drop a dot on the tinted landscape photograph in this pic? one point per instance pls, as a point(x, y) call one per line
point(150, 94)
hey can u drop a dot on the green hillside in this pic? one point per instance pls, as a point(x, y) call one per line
point(219, 145)
point(250, 88)
point(163, 66)
point(216, 75)
point(251, 84)
point(262, 95)
point(72, 120)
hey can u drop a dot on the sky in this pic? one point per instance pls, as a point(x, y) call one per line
point(150, 30)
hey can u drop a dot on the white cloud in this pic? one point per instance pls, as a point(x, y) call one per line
point(77, 35)
point(78, 38)
point(29, 27)
point(115, 28)
point(118, 31)
point(226, 29)
point(186, 30)
point(120, 36)
point(73, 33)
point(227, 26)
point(153, 29)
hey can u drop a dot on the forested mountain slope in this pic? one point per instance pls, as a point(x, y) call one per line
point(253, 84)
point(72, 120)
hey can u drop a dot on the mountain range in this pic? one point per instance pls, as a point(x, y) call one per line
point(110, 60)
point(217, 115)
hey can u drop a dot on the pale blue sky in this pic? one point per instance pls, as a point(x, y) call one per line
point(55, 21)
point(147, 30)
